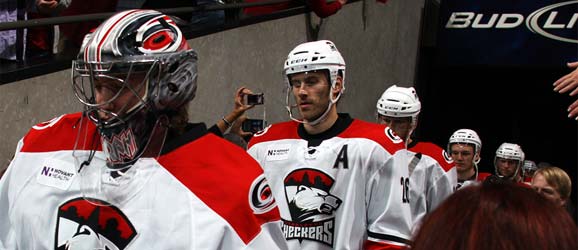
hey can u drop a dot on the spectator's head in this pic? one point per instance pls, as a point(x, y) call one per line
point(508, 161)
point(398, 108)
point(315, 75)
point(464, 146)
point(553, 183)
point(497, 216)
point(133, 73)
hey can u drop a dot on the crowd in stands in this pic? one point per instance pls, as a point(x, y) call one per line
point(66, 39)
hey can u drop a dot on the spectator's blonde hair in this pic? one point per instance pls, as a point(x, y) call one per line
point(557, 178)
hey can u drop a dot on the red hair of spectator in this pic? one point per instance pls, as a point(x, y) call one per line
point(497, 216)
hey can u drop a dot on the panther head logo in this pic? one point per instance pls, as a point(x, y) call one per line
point(308, 196)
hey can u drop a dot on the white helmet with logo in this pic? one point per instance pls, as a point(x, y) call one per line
point(313, 56)
point(466, 136)
point(509, 151)
point(318, 55)
point(399, 102)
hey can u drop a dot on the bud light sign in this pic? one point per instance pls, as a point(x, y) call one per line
point(498, 32)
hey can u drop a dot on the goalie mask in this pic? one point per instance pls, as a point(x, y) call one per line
point(135, 68)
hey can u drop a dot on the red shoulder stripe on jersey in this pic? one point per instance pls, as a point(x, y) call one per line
point(435, 152)
point(374, 132)
point(220, 174)
point(482, 176)
point(61, 133)
point(278, 131)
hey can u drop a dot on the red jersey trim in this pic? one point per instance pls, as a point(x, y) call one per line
point(357, 129)
point(278, 131)
point(482, 176)
point(61, 133)
point(375, 132)
point(435, 152)
point(221, 175)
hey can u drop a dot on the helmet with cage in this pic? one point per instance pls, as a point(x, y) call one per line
point(144, 46)
point(135, 67)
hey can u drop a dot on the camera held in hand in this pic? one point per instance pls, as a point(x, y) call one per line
point(255, 99)
point(253, 125)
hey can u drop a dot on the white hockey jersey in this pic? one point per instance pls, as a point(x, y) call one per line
point(204, 193)
point(433, 177)
point(340, 189)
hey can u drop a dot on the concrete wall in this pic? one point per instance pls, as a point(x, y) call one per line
point(377, 56)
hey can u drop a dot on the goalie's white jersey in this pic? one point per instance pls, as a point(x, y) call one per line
point(342, 189)
point(202, 194)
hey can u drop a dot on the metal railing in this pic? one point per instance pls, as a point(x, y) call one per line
point(15, 71)
point(102, 16)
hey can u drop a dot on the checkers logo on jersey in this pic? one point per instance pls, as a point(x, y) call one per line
point(93, 224)
point(311, 205)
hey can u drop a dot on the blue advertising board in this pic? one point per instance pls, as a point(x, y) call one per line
point(508, 32)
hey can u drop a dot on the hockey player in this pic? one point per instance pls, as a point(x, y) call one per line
point(508, 162)
point(130, 172)
point(432, 174)
point(464, 147)
point(338, 181)
point(528, 170)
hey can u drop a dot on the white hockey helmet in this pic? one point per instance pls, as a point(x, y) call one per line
point(313, 56)
point(317, 55)
point(509, 151)
point(399, 102)
point(529, 167)
point(466, 136)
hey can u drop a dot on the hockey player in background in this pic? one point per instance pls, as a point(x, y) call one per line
point(130, 172)
point(508, 162)
point(528, 170)
point(464, 147)
point(432, 174)
point(335, 179)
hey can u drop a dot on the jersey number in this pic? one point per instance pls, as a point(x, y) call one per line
point(405, 189)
